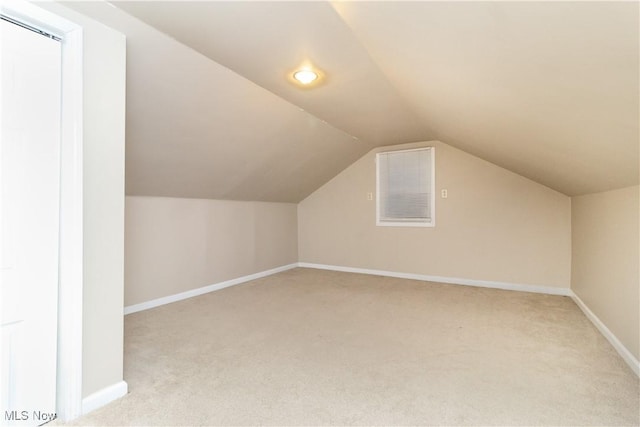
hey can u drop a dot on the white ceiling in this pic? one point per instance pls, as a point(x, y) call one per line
point(546, 89)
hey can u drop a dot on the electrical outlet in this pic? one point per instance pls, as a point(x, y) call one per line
point(369, 196)
point(444, 194)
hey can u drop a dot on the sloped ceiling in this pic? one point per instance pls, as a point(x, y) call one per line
point(548, 90)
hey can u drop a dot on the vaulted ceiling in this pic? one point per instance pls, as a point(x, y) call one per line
point(549, 90)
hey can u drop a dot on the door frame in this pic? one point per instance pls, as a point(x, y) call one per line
point(69, 353)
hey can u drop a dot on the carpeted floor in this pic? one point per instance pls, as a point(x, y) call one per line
point(311, 347)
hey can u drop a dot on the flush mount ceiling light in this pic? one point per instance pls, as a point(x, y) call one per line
point(305, 76)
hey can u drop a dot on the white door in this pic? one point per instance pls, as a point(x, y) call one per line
point(29, 217)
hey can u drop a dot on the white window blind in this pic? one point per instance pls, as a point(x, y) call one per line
point(405, 187)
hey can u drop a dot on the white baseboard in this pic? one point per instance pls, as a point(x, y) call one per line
point(451, 280)
point(104, 396)
point(626, 355)
point(206, 289)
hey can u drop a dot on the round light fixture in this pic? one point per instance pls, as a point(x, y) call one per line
point(305, 76)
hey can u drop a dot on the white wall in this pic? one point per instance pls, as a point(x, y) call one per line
point(175, 245)
point(104, 82)
point(606, 260)
point(495, 225)
point(104, 100)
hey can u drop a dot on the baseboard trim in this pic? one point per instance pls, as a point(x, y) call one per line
point(550, 290)
point(626, 355)
point(103, 397)
point(204, 290)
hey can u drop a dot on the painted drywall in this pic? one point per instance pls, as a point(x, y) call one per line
point(104, 81)
point(495, 225)
point(518, 83)
point(196, 129)
point(605, 267)
point(104, 141)
point(173, 245)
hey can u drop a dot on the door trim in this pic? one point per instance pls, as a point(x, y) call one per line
point(69, 355)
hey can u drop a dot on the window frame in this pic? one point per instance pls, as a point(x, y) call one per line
point(432, 221)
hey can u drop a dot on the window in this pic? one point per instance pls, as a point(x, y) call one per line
point(405, 188)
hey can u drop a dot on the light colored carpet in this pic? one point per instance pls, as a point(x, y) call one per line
point(311, 347)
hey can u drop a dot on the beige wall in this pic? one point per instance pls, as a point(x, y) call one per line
point(104, 83)
point(175, 245)
point(104, 109)
point(495, 225)
point(606, 260)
